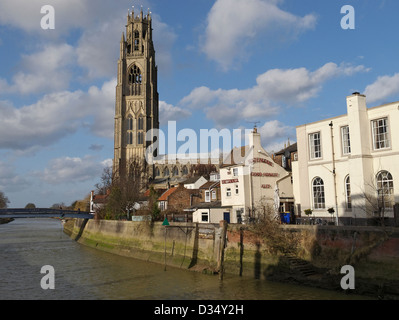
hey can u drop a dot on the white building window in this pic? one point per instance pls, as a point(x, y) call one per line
point(346, 142)
point(228, 192)
point(204, 216)
point(207, 196)
point(380, 134)
point(385, 190)
point(319, 201)
point(237, 189)
point(348, 193)
point(235, 172)
point(315, 145)
point(213, 195)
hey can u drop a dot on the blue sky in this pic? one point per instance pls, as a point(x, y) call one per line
point(222, 64)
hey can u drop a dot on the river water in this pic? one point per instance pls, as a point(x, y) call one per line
point(26, 245)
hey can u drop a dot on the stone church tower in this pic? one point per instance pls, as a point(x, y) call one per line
point(136, 109)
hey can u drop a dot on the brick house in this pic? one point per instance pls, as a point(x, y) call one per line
point(176, 199)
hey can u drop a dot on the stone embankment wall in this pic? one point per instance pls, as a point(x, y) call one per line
point(183, 245)
point(372, 251)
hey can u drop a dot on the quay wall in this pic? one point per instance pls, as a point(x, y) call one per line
point(373, 251)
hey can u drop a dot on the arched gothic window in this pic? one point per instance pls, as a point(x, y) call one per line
point(157, 172)
point(134, 75)
point(184, 171)
point(129, 123)
point(140, 138)
point(129, 138)
point(385, 189)
point(140, 123)
point(175, 171)
point(166, 172)
point(319, 201)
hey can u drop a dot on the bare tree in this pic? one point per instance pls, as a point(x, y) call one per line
point(378, 196)
point(3, 201)
point(106, 181)
point(267, 227)
point(124, 191)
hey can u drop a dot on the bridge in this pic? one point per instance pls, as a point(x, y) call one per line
point(44, 213)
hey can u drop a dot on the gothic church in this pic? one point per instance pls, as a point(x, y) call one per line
point(137, 105)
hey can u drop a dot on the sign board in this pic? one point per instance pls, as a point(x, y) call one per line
point(165, 222)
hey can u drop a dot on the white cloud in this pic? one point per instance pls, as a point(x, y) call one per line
point(99, 26)
point(57, 115)
point(273, 89)
point(233, 24)
point(10, 181)
point(168, 112)
point(274, 134)
point(70, 170)
point(46, 70)
point(383, 88)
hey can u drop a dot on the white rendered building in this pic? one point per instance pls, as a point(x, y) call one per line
point(349, 163)
point(252, 180)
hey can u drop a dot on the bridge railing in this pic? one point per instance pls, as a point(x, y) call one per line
point(15, 212)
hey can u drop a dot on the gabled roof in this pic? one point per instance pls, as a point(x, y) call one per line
point(291, 148)
point(214, 184)
point(166, 194)
point(207, 205)
point(191, 180)
point(230, 161)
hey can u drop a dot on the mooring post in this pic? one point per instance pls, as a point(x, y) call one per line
point(165, 251)
point(223, 234)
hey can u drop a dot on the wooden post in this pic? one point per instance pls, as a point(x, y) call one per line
point(165, 251)
point(223, 234)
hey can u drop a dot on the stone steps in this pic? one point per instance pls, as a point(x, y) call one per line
point(301, 266)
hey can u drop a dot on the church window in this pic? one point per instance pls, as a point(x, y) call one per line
point(130, 123)
point(175, 171)
point(135, 75)
point(140, 139)
point(140, 123)
point(166, 172)
point(129, 138)
point(185, 170)
point(157, 172)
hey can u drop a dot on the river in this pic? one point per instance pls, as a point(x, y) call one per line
point(26, 245)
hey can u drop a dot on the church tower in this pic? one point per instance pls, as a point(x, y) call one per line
point(136, 109)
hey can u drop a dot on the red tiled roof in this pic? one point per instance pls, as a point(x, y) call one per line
point(166, 194)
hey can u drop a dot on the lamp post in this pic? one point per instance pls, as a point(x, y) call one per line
point(334, 173)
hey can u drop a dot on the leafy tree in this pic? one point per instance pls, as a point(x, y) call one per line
point(30, 206)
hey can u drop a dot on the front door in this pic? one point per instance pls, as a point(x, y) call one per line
point(226, 216)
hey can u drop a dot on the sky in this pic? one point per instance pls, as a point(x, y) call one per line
point(222, 64)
